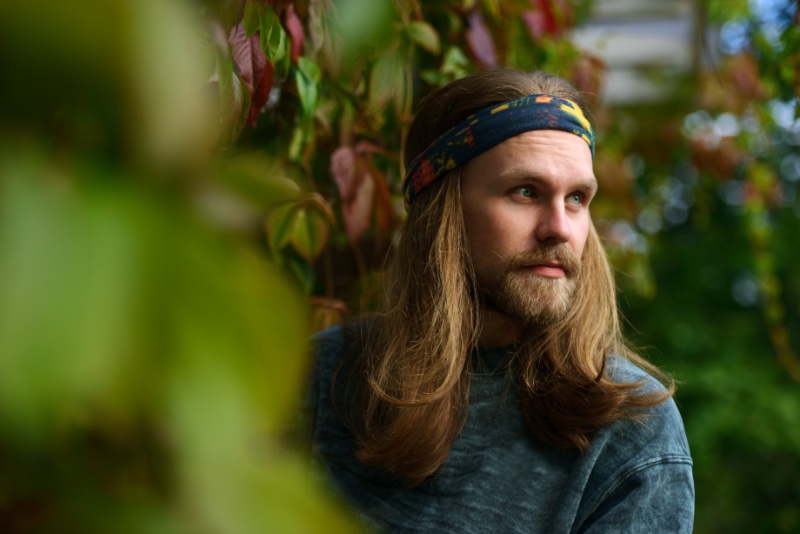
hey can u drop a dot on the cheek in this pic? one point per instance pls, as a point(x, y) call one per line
point(494, 237)
point(578, 243)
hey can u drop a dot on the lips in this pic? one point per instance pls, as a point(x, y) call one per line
point(548, 270)
point(556, 262)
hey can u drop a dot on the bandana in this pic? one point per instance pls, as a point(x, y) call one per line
point(490, 127)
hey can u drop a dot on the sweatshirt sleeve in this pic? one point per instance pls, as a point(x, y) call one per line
point(652, 497)
point(644, 480)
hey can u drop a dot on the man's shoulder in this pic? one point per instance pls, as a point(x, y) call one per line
point(331, 337)
point(662, 425)
point(623, 371)
point(328, 348)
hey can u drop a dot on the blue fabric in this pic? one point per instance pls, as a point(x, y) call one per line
point(635, 478)
point(489, 127)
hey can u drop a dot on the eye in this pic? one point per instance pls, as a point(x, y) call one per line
point(524, 191)
point(576, 199)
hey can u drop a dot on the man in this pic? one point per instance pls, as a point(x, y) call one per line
point(496, 392)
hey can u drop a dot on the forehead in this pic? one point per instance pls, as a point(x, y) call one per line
point(550, 155)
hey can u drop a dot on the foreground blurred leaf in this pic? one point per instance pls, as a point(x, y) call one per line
point(114, 302)
point(129, 73)
point(70, 266)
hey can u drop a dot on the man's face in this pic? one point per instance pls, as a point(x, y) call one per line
point(526, 210)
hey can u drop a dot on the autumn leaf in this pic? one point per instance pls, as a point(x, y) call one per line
point(587, 75)
point(541, 20)
point(356, 188)
point(254, 69)
point(296, 34)
point(247, 55)
point(343, 168)
point(358, 213)
point(480, 39)
point(261, 95)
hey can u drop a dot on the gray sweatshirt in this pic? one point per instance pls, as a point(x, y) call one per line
point(636, 477)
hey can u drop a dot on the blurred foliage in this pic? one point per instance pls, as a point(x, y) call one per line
point(717, 184)
point(187, 190)
point(150, 354)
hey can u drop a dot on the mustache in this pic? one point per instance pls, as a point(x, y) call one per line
point(541, 256)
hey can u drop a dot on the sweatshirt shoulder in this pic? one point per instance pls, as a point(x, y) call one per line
point(328, 348)
point(661, 428)
point(332, 337)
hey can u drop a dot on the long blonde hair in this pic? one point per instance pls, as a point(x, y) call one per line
point(405, 387)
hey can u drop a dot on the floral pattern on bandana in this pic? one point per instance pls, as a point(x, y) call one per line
point(489, 127)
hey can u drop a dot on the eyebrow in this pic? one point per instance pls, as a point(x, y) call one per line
point(580, 184)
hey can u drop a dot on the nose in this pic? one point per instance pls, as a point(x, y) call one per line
point(553, 226)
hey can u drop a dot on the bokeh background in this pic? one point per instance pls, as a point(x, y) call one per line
point(188, 190)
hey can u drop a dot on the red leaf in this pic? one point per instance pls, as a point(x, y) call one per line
point(295, 28)
point(362, 187)
point(537, 23)
point(253, 67)
point(358, 212)
point(261, 95)
point(587, 76)
point(549, 17)
point(480, 40)
point(247, 55)
point(343, 168)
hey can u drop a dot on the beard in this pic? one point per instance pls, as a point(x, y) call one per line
point(527, 297)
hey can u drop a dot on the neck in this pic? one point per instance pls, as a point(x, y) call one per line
point(498, 329)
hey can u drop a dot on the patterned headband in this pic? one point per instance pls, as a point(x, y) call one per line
point(490, 127)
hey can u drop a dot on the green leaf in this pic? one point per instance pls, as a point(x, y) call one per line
point(387, 80)
point(235, 111)
point(224, 68)
point(309, 234)
point(455, 63)
point(253, 12)
point(423, 34)
point(279, 227)
point(296, 143)
point(307, 77)
point(273, 37)
point(364, 25)
point(492, 7)
point(303, 272)
point(70, 273)
point(262, 180)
